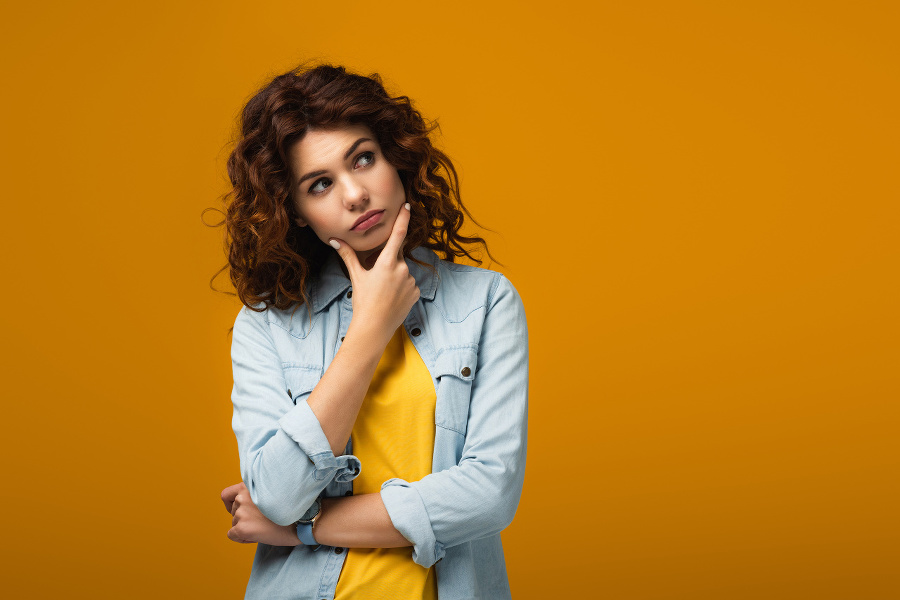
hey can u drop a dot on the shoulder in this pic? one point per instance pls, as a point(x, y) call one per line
point(260, 320)
point(467, 288)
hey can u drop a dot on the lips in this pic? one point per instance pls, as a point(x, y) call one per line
point(365, 218)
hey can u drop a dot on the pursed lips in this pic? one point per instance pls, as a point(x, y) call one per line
point(364, 217)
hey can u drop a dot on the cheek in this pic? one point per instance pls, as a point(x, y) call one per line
point(323, 227)
point(315, 220)
point(393, 186)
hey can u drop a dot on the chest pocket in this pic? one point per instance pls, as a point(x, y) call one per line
point(300, 381)
point(455, 370)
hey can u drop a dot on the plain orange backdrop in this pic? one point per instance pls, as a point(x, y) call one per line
point(698, 202)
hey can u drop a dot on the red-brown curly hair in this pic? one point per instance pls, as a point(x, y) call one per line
point(270, 257)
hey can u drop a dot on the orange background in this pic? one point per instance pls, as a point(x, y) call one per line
point(698, 203)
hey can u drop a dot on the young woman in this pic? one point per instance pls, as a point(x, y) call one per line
point(380, 389)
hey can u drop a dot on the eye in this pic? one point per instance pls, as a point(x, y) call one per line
point(320, 185)
point(365, 159)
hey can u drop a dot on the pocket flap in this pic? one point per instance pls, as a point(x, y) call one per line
point(301, 381)
point(461, 362)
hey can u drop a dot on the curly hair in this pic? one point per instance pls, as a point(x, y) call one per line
point(270, 257)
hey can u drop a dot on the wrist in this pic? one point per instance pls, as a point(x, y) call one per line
point(304, 528)
point(367, 338)
point(290, 532)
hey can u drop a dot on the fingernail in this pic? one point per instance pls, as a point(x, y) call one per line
point(406, 206)
point(335, 244)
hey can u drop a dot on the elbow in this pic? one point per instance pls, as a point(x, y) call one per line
point(280, 499)
point(509, 493)
point(284, 490)
point(277, 513)
point(502, 505)
point(494, 515)
point(505, 512)
point(508, 514)
point(271, 506)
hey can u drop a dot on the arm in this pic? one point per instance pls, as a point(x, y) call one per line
point(357, 522)
point(353, 522)
point(290, 453)
point(474, 499)
point(285, 458)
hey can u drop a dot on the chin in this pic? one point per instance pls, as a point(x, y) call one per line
point(369, 245)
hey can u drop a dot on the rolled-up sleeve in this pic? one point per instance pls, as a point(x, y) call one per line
point(286, 460)
point(477, 497)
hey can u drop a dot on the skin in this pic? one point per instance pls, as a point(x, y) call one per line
point(384, 291)
point(345, 188)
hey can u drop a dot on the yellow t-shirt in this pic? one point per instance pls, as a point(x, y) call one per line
point(393, 437)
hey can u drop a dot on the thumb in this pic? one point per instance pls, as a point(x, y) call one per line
point(347, 254)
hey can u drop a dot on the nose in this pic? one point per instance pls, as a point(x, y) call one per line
point(355, 194)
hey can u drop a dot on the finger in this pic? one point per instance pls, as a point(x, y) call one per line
point(229, 493)
point(234, 537)
point(348, 255)
point(394, 246)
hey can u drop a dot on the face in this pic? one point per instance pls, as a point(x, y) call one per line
point(344, 188)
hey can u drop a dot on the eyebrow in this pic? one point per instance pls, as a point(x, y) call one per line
point(346, 156)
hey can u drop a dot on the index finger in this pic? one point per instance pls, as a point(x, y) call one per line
point(229, 493)
point(394, 246)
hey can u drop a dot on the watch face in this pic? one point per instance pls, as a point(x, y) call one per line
point(310, 514)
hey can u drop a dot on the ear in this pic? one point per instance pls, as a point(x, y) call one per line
point(300, 222)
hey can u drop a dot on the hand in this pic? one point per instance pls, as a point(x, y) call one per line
point(383, 295)
point(249, 525)
point(229, 494)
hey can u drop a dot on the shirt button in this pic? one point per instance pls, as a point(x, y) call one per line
point(416, 332)
point(342, 338)
point(338, 550)
point(466, 371)
point(350, 294)
point(348, 493)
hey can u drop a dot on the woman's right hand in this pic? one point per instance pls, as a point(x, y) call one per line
point(382, 298)
point(383, 295)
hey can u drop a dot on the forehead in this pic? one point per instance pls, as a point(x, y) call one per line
point(318, 147)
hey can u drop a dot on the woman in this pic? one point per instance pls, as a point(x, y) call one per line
point(381, 427)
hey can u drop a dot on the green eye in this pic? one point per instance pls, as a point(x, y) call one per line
point(319, 186)
point(365, 159)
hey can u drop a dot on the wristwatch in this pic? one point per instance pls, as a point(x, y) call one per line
point(306, 522)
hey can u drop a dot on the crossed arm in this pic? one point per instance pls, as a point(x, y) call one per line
point(353, 522)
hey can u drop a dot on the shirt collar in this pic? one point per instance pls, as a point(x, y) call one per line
point(332, 282)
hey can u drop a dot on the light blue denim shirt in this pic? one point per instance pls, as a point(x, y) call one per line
point(469, 328)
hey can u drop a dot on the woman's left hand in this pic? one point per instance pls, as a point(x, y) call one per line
point(249, 525)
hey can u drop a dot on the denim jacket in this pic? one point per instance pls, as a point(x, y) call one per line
point(469, 328)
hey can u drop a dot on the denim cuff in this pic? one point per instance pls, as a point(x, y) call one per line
point(301, 424)
point(409, 516)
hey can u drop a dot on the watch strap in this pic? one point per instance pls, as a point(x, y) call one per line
point(305, 533)
point(305, 524)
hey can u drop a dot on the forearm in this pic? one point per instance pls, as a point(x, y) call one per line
point(357, 522)
point(339, 394)
point(384, 293)
point(296, 460)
